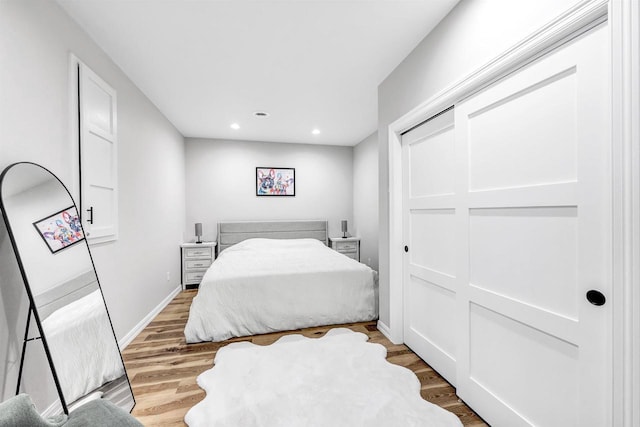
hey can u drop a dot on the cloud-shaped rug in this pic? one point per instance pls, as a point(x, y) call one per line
point(337, 380)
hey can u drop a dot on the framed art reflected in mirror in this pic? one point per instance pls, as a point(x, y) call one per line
point(60, 230)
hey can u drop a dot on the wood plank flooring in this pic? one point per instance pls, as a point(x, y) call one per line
point(163, 368)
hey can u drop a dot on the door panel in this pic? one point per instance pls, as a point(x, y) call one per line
point(102, 215)
point(98, 157)
point(507, 218)
point(432, 244)
point(432, 164)
point(430, 306)
point(533, 351)
point(99, 104)
point(501, 350)
point(538, 248)
point(430, 229)
point(536, 139)
point(97, 153)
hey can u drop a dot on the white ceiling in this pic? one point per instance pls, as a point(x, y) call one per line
point(310, 64)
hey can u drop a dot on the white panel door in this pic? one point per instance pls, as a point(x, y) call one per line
point(98, 157)
point(533, 237)
point(429, 230)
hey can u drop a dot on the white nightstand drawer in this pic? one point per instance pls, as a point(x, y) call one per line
point(197, 263)
point(204, 252)
point(194, 276)
point(349, 246)
point(346, 246)
point(353, 254)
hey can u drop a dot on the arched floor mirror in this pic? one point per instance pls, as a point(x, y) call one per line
point(66, 300)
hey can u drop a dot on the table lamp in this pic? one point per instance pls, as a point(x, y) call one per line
point(198, 232)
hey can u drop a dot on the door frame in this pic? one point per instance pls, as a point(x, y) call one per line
point(75, 130)
point(624, 30)
point(74, 127)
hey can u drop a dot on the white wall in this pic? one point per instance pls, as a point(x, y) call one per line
point(473, 33)
point(220, 180)
point(36, 38)
point(365, 198)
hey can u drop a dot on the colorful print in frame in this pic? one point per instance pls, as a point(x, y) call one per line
point(275, 181)
point(60, 230)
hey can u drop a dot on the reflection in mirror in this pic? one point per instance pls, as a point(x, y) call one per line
point(65, 294)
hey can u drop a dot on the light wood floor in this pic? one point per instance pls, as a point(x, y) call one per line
point(163, 369)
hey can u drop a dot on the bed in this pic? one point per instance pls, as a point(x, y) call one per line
point(75, 323)
point(277, 276)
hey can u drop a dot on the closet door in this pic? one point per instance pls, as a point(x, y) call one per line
point(533, 242)
point(97, 105)
point(429, 218)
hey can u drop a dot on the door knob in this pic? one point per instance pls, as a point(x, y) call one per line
point(596, 297)
point(406, 248)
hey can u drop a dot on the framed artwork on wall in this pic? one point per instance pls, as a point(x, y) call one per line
point(60, 230)
point(275, 181)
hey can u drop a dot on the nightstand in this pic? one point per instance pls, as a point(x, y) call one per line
point(349, 246)
point(196, 259)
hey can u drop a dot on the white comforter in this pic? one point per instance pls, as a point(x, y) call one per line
point(265, 285)
point(82, 345)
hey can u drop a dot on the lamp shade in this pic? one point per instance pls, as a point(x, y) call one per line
point(198, 232)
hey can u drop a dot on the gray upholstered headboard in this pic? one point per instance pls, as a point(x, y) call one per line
point(230, 233)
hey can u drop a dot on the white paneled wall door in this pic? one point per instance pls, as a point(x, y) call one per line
point(430, 326)
point(98, 149)
point(507, 224)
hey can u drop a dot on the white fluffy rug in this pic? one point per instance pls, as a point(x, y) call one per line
point(336, 380)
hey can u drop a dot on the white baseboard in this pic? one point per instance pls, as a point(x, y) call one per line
point(54, 409)
point(126, 340)
point(386, 331)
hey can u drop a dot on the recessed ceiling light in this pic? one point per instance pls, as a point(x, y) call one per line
point(235, 126)
point(261, 114)
point(316, 131)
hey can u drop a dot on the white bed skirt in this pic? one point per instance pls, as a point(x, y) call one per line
point(262, 285)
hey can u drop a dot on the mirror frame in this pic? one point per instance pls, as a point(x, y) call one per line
point(33, 311)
